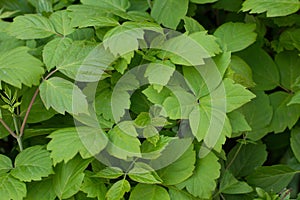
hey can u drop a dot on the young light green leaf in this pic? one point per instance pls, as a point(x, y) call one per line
point(288, 62)
point(118, 189)
point(284, 116)
point(271, 178)
point(18, 67)
point(11, 188)
point(236, 36)
point(266, 78)
point(272, 7)
point(61, 22)
point(31, 26)
point(230, 185)
point(180, 169)
point(5, 164)
point(169, 12)
point(202, 183)
point(63, 96)
point(66, 143)
point(69, 176)
point(249, 157)
point(295, 142)
point(54, 51)
point(143, 173)
point(38, 190)
point(191, 25)
point(149, 192)
point(32, 164)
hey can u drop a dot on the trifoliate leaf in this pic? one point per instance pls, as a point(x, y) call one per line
point(18, 67)
point(93, 187)
point(69, 176)
point(272, 7)
point(63, 96)
point(117, 190)
point(202, 183)
point(11, 188)
point(32, 164)
point(169, 12)
point(271, 178)
point(31, 26)
point(236, 36)
point(149, 192)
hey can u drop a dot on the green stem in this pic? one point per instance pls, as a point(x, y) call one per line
point(8, 129)
point(19, 137)
point(19, 140)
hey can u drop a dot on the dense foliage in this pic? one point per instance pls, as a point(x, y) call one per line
point(153, 100)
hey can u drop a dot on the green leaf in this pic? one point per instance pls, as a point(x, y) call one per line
point(11, 188)
point(180, 194)
point(32, 164)
point(272, 7)
point(180, 169)
point(295, 99)
point(202, 183)
point(38, 112)
point(288, 62)
point(61, 22)
point(18, 67)
point(149, 192)
point(31, 26)
point(203, 1)
point(191, 25)
point(54, 51)
point(230, 185)
point(245, 158)
point(117, 190)
point(266, 78)
point(5, 164)
point(89, 15)
point(122, 144)
point(69, 176)
point(289, 39)
point(236, 95)
point(93, 187)
point(272, 178)
point(238, 122)
point(143, 173)
point(208, 42)
point(295, 142)
point(66, 143)
point(63, 96)
point(169, 12)
point(258, 114)
point(115, 4)
point(236, 36)
point(284, 116)
point(40, 190)
point(240, 72)
point(109, 173)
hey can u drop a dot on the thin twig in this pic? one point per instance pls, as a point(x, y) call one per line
point(8, 129)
